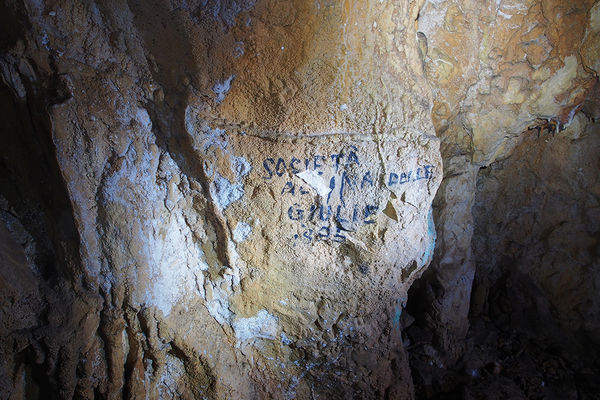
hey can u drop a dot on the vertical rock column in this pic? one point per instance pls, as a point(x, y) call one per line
point(320, 159)
point(252, 186)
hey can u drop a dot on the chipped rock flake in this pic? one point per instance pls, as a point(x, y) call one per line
point(316, 181)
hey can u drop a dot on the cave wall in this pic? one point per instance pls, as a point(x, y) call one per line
point(231, 199)
point(508, 77)
point(212, 199)
point(537, 214)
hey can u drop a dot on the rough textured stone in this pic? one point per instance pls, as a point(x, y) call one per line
point(231, 198)
point(245, 196)
point(496, 70)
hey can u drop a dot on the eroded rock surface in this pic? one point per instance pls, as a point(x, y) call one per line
point(231, 199)
point(499, 71)
point(245, 196)
point(549, 231)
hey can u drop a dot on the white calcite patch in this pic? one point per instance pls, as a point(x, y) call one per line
point(263, 326)
point(143, 118)
point(241, 232)
point(161, 243)
point(224, 192)
point(240, 167)
point(221, 88)
point(218, 303)
point(172, 372)
point(175, 261)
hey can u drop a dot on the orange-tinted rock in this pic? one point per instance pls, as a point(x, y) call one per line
point(250, 184)
point(495, 69)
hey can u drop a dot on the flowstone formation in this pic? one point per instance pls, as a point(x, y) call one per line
point(240, 197)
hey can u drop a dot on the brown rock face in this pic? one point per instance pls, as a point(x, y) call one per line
point(217, 199)
point(230, 199)
point(502, 73)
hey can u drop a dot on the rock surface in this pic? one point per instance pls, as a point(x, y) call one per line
point(533, 316)
point(231, 198)
point(217, 199)
point(543, 203)
point(499, 71)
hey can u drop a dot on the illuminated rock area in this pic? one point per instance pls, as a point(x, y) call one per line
point(238, 199)
point(247, 187)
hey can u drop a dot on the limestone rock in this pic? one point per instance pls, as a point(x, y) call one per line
point(248, 190)
point(496, 67)
point(499, 71)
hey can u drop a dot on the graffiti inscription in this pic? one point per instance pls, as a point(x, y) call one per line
point(341, 182)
